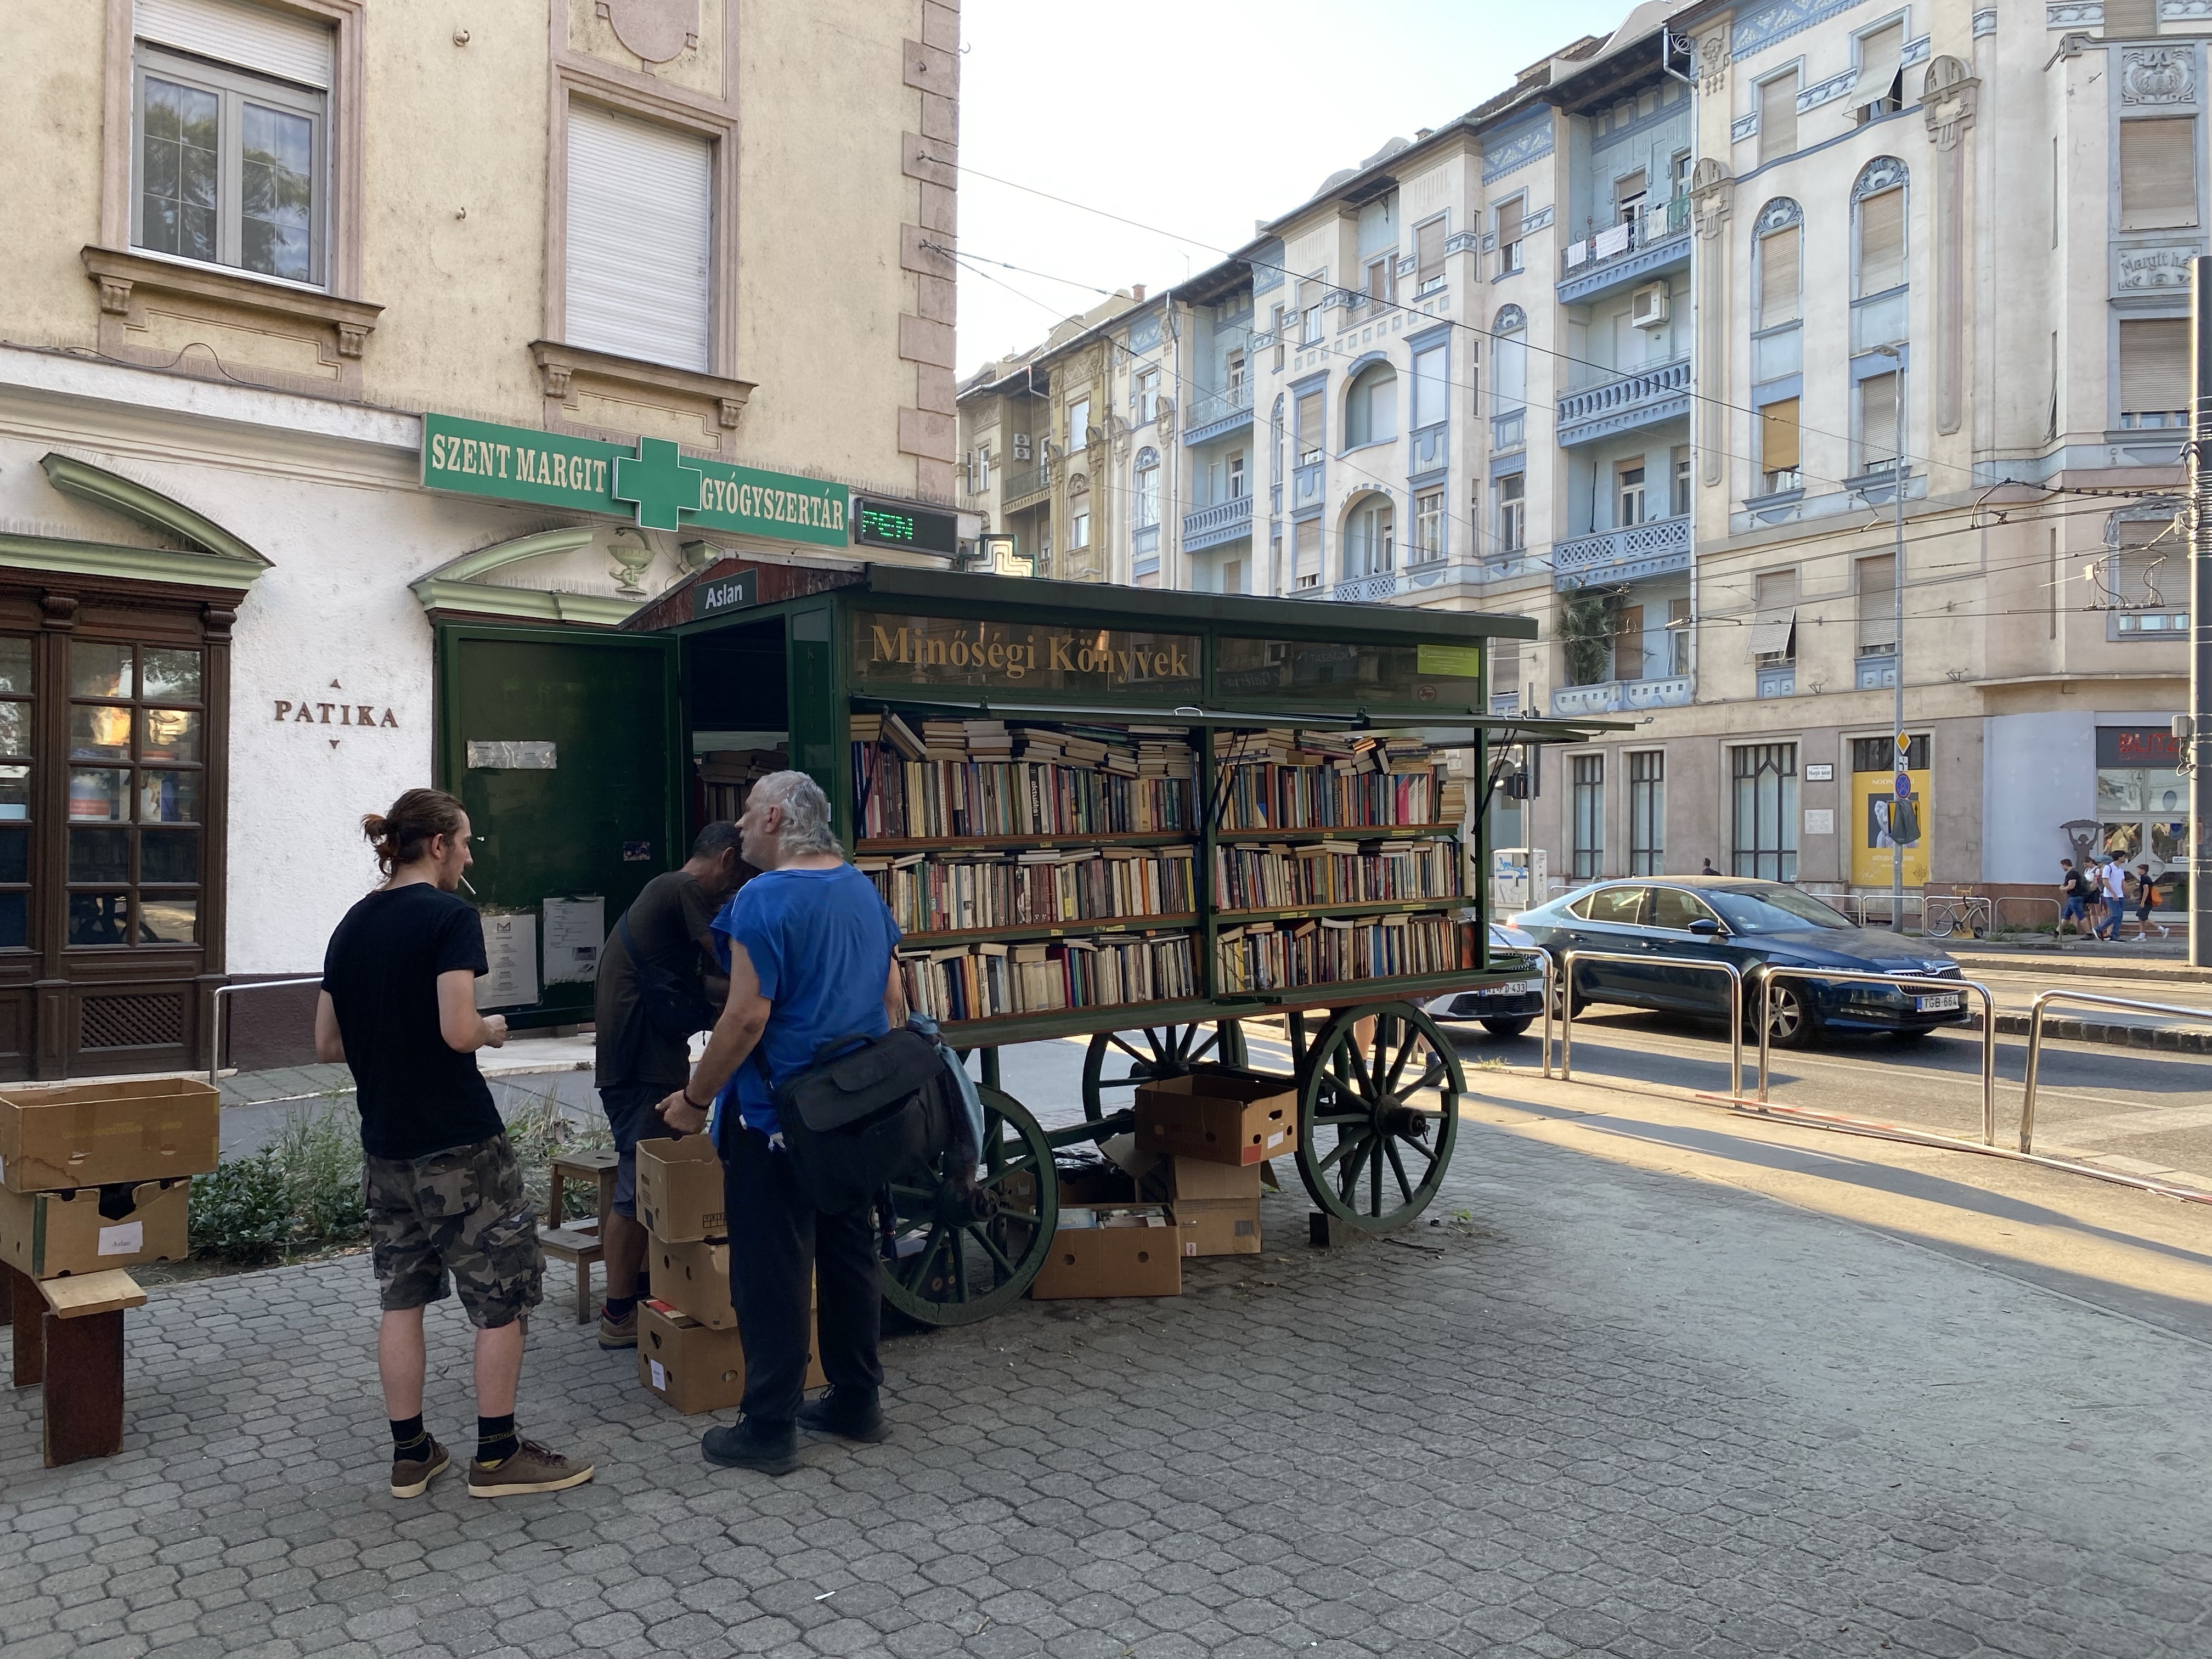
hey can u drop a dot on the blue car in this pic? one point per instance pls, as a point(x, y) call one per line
point(1753, 924)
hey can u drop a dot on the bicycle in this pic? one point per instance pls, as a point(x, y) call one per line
point(1944, 915)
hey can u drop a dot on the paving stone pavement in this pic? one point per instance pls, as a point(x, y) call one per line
point(1612, 1410)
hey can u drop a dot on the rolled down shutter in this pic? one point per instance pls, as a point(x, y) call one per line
point(1881, 242)
point(1778, 117)
point(283, 44)
point(1509, 221)
point(640, 219)
point(1877, 597)
point(1775, 612)
point(1879, 55)
point(1504, 667)
point(1429, 250)
point(1778, 441)
point(2158, 173)
point(1309, 419)
point(2153, 364)
point(1779, 281)
point(1306, 546)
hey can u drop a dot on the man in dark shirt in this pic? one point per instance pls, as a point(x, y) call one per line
point(445, 1193)
point(641, 1048)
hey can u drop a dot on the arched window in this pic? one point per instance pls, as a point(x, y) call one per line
point(1370, 532)
point(1880, 312)
point(1778, 338)
point(1145, 498)
point(1778, 265)
point(1509, 375)
point(1877, 227)
point(1078, 513)
point(1371, 406)
point(1277, 438)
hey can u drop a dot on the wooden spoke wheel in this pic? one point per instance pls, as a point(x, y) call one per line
point(1379, 1114)
point(1117, 1061)
point(955, 1253)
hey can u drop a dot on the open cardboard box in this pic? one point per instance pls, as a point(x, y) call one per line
point(1219, 1117)
point(48, 1235)
point(694, 1277)
point(679, 1189)
point(694, 1368)
point(1113, 1251)
point(95, 1134)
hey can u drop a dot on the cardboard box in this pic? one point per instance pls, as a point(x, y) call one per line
point(1219, 1117)
point(93, 1135)
point(694, 1277)
point(693, 1368)
point(679, 1189)
point(1107, 1258)
point(1219, 1226)
point(1202, 1179)
point(48, 1235)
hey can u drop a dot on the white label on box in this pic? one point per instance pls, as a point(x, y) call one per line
point(127, 1239)
point(1278, 1138)
point(1190, 1247)
point(659, 1376)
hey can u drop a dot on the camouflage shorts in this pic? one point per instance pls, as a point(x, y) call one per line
point(461, 1211)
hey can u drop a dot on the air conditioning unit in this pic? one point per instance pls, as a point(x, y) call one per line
point(1021, 446)
point(1647, 307)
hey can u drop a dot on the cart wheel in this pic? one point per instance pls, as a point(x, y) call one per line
point(1117, 1061)
point(1373, 1143)
point(953, 1258)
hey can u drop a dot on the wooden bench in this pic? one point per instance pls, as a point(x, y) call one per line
point(578, 1243)
point(69, 1340)
point(580, 1248)
point(589, 1167)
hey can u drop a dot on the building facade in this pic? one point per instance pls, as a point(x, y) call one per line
point(328, 322)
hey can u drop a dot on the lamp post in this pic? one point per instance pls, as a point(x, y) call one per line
point(1900, 747)
point(2199, 739)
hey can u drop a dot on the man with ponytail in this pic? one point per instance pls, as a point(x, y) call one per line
point(444, 1193)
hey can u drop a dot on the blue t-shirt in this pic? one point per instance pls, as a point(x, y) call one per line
point(820, 941)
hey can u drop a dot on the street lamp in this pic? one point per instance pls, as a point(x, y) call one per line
point(1900, 750)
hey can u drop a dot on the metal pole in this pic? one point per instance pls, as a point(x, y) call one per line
point(1899, 749)
point(2200, 613)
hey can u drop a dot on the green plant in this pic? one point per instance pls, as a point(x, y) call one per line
point(1587, 622)
point(241, 1214)
point(319, 1159)
point(540, 1129)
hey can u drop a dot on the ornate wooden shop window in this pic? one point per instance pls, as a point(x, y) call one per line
point(18, 722)
point(137, 725)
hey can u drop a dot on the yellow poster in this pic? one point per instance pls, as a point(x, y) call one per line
point(1872, 800)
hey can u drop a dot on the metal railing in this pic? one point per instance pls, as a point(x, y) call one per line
point(214, 1037)
point(1567, 1009)
point(1903, 981)
point(2092, 999)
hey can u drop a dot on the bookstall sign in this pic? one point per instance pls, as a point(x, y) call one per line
point(959, 651)
point(652, 483)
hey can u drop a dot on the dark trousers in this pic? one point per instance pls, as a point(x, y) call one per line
point(776, 1235)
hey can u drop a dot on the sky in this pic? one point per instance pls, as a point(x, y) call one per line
point(1195, 118)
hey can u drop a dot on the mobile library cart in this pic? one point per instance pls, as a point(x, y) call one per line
point(1142, 817)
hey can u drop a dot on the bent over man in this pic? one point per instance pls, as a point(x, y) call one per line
point(809, 960)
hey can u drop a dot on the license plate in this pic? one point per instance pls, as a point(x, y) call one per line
point(1936, 1004)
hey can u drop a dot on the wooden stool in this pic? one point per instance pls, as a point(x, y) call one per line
point(580, 1249)
point(587, 1167)
point(68, 1339)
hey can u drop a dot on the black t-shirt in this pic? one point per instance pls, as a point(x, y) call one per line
point(2077, 885)
point(417, 1096)
point(667, 919)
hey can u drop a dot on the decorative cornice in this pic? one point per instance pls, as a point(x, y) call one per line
point(145, 564)
point(87, 483)
point(1516, 149)
point(1777, 214)
point(520, 604)
point(2074, 15)
point(1949, 103)
point(1764, 27)
point(557, 365)
point(119, 274)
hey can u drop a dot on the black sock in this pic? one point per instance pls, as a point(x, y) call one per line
point(620, 1307)
point(496, 1438)
point(408, 1439)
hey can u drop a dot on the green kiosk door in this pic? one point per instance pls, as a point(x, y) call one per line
point(566, 746)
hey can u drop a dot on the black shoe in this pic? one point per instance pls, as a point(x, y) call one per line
point(771, 1447)
point(849, 1413)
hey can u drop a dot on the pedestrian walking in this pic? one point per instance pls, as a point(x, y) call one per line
point(1708, 870)
point(810, 946)
point(2113, 878)
point(443, 1191)
point(658, 985)
point(2146, 903)
point(2074, 891)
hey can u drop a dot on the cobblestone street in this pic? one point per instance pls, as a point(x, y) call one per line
point(1611, 1409)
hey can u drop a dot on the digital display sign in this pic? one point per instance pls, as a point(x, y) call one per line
point(883, 524)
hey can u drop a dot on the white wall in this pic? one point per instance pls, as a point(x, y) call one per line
point(2037, 771)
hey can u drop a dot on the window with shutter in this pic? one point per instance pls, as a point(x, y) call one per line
point(1305, 548)
point(1509, 233)
point(2154, 365)
point(1778, 117)
point(1780, 281)
point(1876, 580)
point(1429, 251)
point(1877, 396)
point(1774, 620)
point(1879, 54)
point(1431, 375)
point(1881, 242)
point(252, 37)
point(1309, 427)
point(1504, 668)
point(1778, 443)
point(638, 232)
point(2158, 173)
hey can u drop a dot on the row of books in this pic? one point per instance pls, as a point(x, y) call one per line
point(728, 775)
point(1331, 797)
point(1274, 877)
point(983, 982)
point(1279, 956)
point(935, 894)
point(949, 798)
point(1134, 750)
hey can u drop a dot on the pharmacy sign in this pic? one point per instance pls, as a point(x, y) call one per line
point(652, 483)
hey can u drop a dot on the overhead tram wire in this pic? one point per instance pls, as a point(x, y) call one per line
point(1294, 277)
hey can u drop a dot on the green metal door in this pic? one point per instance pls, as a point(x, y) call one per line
point(567, 747)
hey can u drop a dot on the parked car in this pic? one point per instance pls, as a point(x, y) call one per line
point(1504, 1010)
point(1755, 925)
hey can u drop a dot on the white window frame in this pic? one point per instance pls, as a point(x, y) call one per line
point(1512, 511)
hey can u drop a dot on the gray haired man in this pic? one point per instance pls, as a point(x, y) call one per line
point(810, 946)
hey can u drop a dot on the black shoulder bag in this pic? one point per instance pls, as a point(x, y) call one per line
point(855, 1123)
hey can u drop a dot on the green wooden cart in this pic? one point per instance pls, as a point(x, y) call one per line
point(575, 750)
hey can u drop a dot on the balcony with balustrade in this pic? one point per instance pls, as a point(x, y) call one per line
point(1661, 547)
point(1618, 696)
point(1023, 485)
point(1643, 397)
point(1211, 526)
point(1215, 414)
point(1655, 242)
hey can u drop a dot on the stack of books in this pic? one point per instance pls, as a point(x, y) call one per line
point(1263, 877)
point(952, 893)
point(1263, 957)
point(986, 981)
point(1063, 783)
point(1288, 780)
point(729, 773)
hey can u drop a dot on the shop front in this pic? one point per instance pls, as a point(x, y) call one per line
point(2142, 800)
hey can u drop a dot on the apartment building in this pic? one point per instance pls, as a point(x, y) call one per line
point(331, 324)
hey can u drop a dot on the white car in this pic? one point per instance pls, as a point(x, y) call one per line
point(1504, 1010)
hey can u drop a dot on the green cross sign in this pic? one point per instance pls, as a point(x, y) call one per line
point(661, 482)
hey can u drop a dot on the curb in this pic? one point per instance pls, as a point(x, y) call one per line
point(2168, 1037)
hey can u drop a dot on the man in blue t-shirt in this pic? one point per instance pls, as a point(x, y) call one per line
point(809, 946)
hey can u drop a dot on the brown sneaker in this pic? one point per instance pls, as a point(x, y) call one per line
point(618, 1332)
point(412, 1476)
point(532, 1468)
